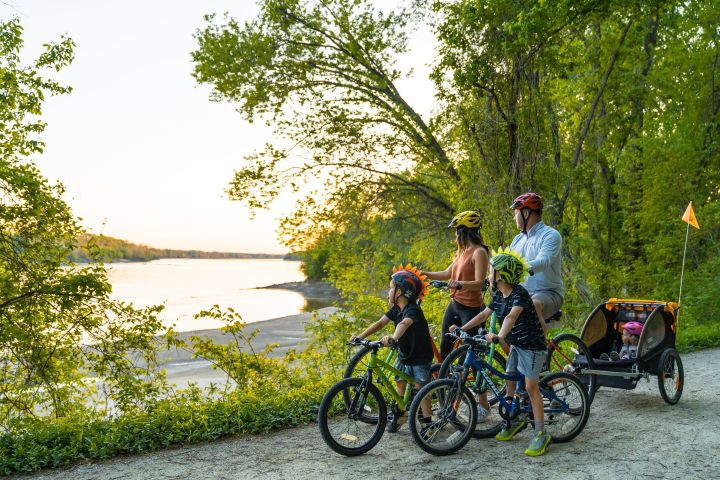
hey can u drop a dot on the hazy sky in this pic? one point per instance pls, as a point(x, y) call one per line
point(143, 153)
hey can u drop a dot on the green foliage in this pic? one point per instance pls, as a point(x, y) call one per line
point(57, 324)
point(186, 418)
point(109, 249)
point(264, 394)
point(609, 109)
point(244, 368)
point(315, 260)
point(324, 75)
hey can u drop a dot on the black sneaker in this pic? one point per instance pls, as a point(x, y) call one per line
point(395, 421)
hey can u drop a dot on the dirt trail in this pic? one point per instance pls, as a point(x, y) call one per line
point(630, 434)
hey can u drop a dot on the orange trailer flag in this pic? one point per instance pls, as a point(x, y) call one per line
point(689, 216)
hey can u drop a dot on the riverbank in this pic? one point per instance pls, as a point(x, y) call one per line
point(286, 332)
point(309, 288)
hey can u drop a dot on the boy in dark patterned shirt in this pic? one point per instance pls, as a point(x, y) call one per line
point(521, 328)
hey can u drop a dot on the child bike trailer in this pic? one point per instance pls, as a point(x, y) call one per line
point(656, 354)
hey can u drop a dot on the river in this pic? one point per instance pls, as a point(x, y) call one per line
point(186, 286)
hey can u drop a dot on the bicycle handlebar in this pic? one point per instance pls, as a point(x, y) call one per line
point(442, 285)
point(356, 342)
point(467, 338)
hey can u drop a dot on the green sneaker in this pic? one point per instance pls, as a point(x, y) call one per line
point(508, 432)
point(538, 444)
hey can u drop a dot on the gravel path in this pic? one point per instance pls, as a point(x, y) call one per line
point(630, 434)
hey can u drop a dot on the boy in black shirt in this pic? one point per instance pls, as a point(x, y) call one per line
point(521, 328)
point(411, 335)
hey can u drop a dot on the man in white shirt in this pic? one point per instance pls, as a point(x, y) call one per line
point(541, 245)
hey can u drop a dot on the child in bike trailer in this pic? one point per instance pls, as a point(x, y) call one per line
point(407, 289)
point(521, 328)
point(630, 337)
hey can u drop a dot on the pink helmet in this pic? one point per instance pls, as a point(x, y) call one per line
point(633, 328)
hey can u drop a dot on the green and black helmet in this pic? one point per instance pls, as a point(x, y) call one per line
point(510, 265)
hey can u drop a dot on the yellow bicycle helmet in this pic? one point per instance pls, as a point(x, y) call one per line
point(468, 219)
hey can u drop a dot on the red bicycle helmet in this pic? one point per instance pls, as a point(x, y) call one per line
point(530, 200)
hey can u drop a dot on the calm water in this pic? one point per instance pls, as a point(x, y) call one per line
point(186, 286)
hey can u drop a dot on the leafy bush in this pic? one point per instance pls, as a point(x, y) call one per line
point(186, 418)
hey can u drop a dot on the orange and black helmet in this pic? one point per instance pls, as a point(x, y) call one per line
point(411, 282)
point(530, 200)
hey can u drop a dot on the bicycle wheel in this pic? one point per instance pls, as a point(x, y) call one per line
point(453, 416)
point(358, 364)
point(671, 376)
point(491, 424)
point(568, 353)
point(566, 406)
point(343, 428)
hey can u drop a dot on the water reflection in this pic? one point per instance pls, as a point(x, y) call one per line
point(312, 304)
point(187, 286)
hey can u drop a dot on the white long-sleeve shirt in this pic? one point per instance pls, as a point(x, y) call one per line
point(542, 247)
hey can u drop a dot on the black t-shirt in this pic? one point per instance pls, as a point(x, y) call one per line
point(527, 332)
point(415, 347)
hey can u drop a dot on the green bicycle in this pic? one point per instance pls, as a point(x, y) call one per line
point(353, 413)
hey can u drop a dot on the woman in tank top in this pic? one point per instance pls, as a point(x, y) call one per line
point(466, 276)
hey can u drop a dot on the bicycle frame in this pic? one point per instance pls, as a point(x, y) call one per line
point(480, 365)
point(553, 346)
point(383, 370)
point(476, 384)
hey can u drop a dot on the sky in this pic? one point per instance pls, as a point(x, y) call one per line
point(143, 153)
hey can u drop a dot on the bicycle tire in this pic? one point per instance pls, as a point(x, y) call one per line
point(563, 358)
point(332, 404)
point(493, 422)
point(454, 417)
point(571, 390)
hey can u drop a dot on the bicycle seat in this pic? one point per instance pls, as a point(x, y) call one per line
point(554, 318)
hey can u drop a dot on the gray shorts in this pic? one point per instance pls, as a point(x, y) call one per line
point(421, 372)
point(527, 362)
point(551, 302)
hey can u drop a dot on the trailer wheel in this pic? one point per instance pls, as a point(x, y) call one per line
point(671, 376)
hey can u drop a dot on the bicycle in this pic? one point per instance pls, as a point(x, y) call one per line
point(454, 413)
point(568, 353)
point(358, 363)
point(476, 383)
point(353, 413)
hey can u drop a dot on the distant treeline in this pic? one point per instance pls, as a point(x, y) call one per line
point(111, 249)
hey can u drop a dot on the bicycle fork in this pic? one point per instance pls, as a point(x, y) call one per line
point(358, 401)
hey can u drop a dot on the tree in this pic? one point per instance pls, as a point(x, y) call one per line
point(606, 108)
point(57, 322)
point(323, 74)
